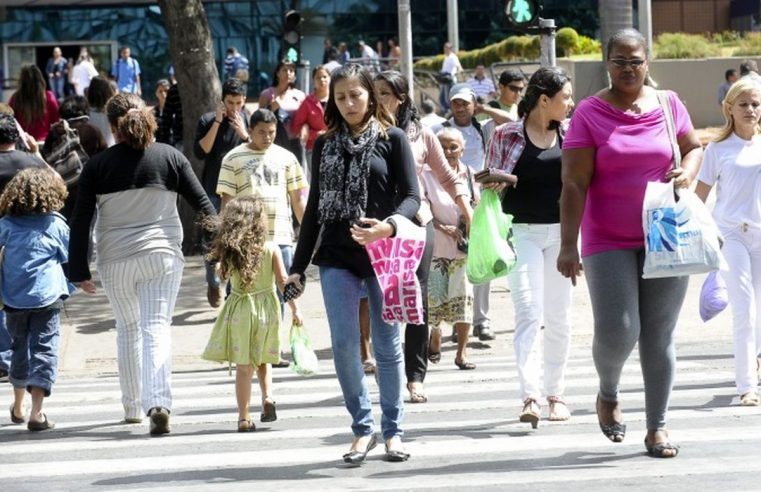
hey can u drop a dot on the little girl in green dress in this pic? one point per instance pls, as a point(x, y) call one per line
point(246, 331)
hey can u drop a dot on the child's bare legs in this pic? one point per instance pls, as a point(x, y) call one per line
point(264, 374)
point(38, 395)
point(243, 376)
point(368, 361)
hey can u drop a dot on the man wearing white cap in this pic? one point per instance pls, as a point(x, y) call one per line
point(462, 100)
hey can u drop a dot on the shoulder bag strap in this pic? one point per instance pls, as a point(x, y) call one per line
point(663, 99)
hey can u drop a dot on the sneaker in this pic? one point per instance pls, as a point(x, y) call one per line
point(159, 421)
point(214, 295)
point(483, 332)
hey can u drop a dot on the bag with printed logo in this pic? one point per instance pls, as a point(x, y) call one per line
point(681, 237)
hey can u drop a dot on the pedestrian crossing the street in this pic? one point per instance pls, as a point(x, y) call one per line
point(467, 437)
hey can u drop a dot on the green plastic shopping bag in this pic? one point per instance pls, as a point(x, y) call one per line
point(490, 255)
point(304, 359)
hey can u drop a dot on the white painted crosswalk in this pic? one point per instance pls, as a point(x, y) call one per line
point(467, 437)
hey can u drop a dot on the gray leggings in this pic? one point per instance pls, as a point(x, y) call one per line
point(628, 309)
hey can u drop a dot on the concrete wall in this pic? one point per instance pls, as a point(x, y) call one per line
point(696, 82)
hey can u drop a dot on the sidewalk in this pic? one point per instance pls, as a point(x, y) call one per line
point(88, 336)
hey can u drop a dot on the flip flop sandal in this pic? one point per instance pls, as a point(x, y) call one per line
point(465, 365)
point(246, 425)
point(40, 426)
point(657, 450)
point(269, 412)
point(416, 397)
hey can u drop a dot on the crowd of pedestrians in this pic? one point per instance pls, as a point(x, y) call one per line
point(352, 163)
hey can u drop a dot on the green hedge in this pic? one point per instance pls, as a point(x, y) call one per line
point(749, 45)
point(680, 45)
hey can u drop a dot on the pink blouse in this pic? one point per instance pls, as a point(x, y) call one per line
point(630, 150)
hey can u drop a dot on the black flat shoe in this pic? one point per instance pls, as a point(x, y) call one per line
point(269, 412)
point(396, 456)
point(358, 457)
point(16, 420)
point(41, 426)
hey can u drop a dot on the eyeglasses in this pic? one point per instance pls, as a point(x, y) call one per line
point(623, 63)
point(515, 88)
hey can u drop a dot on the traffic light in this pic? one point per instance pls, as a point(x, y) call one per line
point(292, 36)
point(522, 13)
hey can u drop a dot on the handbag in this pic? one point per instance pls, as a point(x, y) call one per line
point(681, 237)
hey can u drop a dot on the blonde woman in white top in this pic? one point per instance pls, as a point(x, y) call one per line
point(732, 163)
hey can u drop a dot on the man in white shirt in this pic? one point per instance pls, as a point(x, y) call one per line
point(477, 135)
point(448, 75)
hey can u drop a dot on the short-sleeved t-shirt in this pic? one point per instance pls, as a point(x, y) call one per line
point(734, 167)
point(630, 150)
point(269, 175)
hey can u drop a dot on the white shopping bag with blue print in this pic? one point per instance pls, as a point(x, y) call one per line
point(681, 237)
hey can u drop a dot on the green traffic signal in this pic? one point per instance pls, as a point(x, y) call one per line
point(521, 13)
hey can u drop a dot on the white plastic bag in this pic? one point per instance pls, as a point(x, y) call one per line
point(681, 237)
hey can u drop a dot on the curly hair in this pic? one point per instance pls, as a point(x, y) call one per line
point(33, 191)
point(241, 230)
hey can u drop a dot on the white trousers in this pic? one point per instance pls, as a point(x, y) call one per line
point(742, 250)
point(142, 292)
point(541, 295)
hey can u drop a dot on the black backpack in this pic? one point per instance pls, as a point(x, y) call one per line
point(66, 154)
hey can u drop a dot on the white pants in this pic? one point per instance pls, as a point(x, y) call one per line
point(742, 250)
point(142, 292)
point(540, 295)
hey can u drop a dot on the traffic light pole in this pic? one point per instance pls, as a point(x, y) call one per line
point(405, 42)
point(547, 42)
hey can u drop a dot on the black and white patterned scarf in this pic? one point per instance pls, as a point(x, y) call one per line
point(343, 186)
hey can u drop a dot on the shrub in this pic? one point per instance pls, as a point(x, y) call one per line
point(566, 41)
point(749, 45)
point(588, 46)
point(680, 45)
point(725, 38)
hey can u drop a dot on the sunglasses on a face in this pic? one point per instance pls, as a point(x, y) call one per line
point(623, 63)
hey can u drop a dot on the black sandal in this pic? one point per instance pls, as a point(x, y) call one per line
point(269, 412)
point(464, 365)
point(40, 426)
point(246, 425)
point(615, 431)
point(657, 450)
point(17, 420)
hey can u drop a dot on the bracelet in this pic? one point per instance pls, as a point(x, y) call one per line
point(219, 122)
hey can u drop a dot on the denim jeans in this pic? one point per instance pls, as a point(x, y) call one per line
point(286, 250)
point(5, 345)
point(340, 291)
point(35, 339)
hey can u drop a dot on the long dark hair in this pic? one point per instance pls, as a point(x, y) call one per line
point(276, 79)
point(546, 81)
point(333, 117)
point(30, 99)
point(407, 113)
point(99, 92)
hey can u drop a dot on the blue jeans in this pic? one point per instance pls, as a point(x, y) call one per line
point(35, 335)
point(340, 291)
point(286, 250)
point(5, 345)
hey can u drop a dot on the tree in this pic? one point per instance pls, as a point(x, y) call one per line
point(198, 82)
point(614, 15)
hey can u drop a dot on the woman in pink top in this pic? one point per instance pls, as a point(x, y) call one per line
point(284, 100)
point(617, 142)
point(309, 120)
point(35, 107)
point(393, 89)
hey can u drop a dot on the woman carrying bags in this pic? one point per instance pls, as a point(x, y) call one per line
point(363, 173)
point(732, 164)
